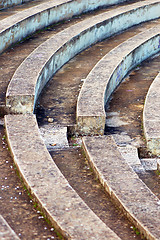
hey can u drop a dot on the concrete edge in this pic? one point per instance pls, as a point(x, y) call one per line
point(57, 199)
point(108, 74)
point(6, 231)
point(26, 22)
point(151, 117)
point(131, 195)
point(66, 45)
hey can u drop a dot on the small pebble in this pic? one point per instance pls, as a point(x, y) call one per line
point(50, 120)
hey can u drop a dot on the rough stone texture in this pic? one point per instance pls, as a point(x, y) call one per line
point(151, 116)
point(124, 185)
point(6, 233)
point(66, 210)
point(54, 136)
point(59, 49)
point(149, 164)
point(130, 154)
point(107, 75)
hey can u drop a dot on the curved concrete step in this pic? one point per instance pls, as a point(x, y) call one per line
point(110, 71)
point(24, 23)
point(65, 209)
point(151, 117)
point(140, 205)
point(59, 49)
point(6, 233)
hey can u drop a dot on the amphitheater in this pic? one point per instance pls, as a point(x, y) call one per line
point(80, 119)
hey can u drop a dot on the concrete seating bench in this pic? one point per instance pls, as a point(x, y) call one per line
point(107, 75)
point(140, 205)
point(5, 230)
point(43, 62)
point(58, 201)
point(26, 22)
point(151, 117)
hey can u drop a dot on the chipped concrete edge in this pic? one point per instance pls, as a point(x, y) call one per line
point(6, 232)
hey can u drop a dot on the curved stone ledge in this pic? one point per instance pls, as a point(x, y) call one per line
point(151, 117)
point(107, 75)
point(136, 200)
point(24, 23)
point(62, 205)
point(41, 64)
point(6, 232)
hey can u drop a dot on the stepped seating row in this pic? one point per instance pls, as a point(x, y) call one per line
point(62, 205)
point(16, 125)
point(107, 75)
point(26, 22)
point(151, 120)
point(140, 205)
point(60, 48)
point(68, 215)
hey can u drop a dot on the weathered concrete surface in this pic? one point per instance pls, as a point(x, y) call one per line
point(59, 49)
point(66, 210)
point(107, 75)
point(55, 137)
point(149, 164)
point(20, 25)
point(9, 3)
point(130, 154)
point(6, 233)
point(151, 117)
point(123, 184)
